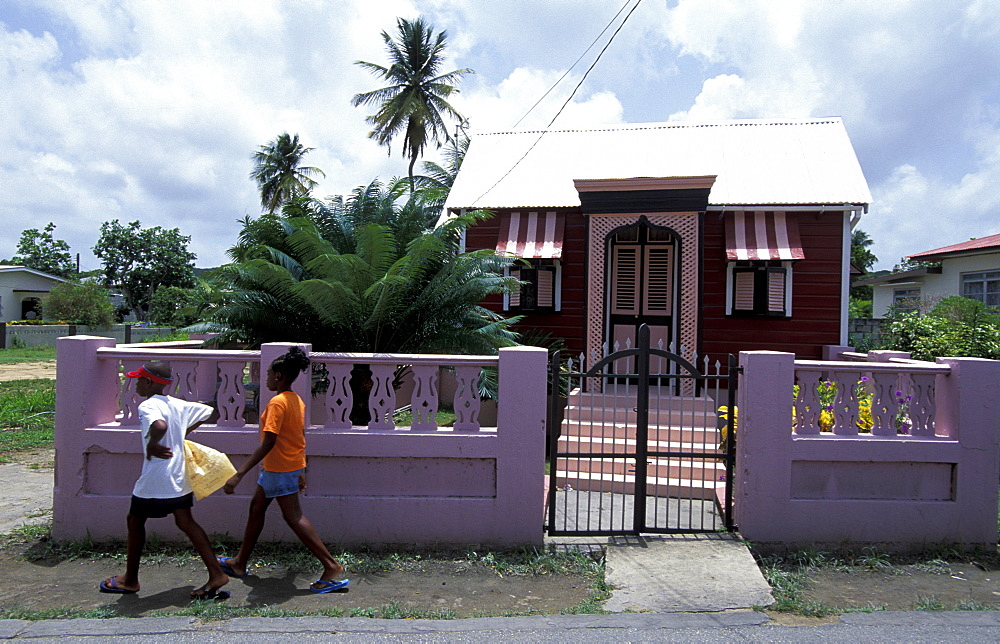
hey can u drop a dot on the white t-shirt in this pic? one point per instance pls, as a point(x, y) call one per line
point(165, 478)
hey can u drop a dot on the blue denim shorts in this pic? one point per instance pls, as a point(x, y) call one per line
point(279, 483)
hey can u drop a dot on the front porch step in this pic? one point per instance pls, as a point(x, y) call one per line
point(693, 469)
point(625, 484)
point(626, 432)
point(608, 445)
point(599, 415)
point(598, 400)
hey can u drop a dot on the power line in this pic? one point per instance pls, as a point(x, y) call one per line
point(572, 94)
point(566, 73)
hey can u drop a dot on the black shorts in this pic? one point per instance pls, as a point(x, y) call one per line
point(159, 508)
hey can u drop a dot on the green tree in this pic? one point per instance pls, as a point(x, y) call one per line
point(436, 182)
point(140, 260)
point(173, 306)
point(414, 103)
point(41, 251)
point(343, 281)
point(279, 172)
point(78, 302)
point(861, 257)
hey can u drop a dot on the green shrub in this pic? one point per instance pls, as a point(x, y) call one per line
point(81, 303)
point(956, 327)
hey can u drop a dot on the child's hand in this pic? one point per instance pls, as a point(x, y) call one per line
point(155, 450)
point(302, 482)
point(231, 484)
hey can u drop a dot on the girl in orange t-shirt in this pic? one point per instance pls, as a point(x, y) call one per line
point(283, 475)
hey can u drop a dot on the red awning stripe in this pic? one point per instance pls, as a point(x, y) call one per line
point(762, 236)
point(531, 235)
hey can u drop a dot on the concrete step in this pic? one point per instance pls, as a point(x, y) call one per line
point(625, 484)
point(691, 469)
point(583, 443)
point(629, 415)
point(686, 404)
point(626, 432)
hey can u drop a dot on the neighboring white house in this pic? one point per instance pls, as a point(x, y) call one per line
point(21, 290)
point(970, 268)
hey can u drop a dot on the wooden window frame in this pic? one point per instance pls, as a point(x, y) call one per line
point(531, 272)
point(750, 289)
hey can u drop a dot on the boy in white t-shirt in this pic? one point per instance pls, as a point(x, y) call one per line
point(163, 487)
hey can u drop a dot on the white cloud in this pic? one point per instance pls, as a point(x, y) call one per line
point(150, 109)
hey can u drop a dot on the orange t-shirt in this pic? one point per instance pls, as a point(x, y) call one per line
point(285, 415)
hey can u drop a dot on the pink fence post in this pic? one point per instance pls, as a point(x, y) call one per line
point(86, 395)
point(763, 444)
point(522, 396)
point(967, 410)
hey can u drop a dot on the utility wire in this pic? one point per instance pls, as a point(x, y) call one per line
point(566, 73)
point(570, 98)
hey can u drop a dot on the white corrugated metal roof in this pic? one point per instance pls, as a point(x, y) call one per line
point(789, 161)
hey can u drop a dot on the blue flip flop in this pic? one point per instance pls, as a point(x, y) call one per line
point(109, 585)
point(226, 568)
point(329, 586)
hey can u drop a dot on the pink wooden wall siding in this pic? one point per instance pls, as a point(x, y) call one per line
point(378, 484)
point(935, 484)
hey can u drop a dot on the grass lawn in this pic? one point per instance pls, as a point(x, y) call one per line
point(29, 354)
point(27, 411)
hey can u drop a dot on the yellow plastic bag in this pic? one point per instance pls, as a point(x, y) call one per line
point(207, 469)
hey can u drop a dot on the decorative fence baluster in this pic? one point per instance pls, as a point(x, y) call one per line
point(424, 400)
point(231, 397)
point(339, 398)
point(884, 405)
point(382, 399)
point(467, 399)
point(922, 408)
point(807, 403)
point(184, 386)
point(845, 404)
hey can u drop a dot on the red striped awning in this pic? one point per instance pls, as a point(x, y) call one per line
point(762, 236)
point(531, 235)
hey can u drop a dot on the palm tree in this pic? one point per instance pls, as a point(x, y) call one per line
point(278, 172)
point(390, 287)
point(437, 180)
point(414, 102)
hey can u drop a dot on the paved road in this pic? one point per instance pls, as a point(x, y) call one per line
point(683, 627)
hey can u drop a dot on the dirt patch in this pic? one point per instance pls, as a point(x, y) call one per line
point(941, 585)
point(28, 370)
point(428, 588)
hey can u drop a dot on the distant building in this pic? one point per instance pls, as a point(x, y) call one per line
point(22, 289)
point(970, 269)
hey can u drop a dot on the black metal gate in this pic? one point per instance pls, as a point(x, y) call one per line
point(634, 444)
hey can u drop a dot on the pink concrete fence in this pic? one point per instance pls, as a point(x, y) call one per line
point(872, 449)
point(380, 484)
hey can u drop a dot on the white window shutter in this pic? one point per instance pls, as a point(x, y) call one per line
point(743, 290)
point(776, 290)
point(515, 297)
point(546, 288)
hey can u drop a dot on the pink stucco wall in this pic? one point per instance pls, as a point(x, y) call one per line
point(367, 485)
point(937, 484)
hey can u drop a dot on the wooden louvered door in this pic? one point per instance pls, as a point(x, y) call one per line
point(641, 292)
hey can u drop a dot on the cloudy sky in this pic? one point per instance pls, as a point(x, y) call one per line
point(150, 109)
